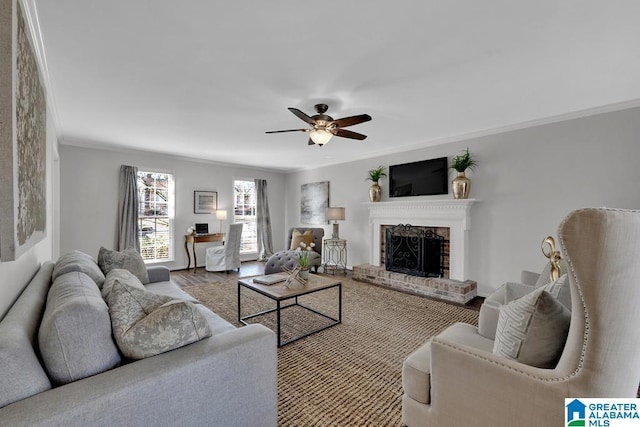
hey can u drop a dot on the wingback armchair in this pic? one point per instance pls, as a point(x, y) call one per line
point(456, 379)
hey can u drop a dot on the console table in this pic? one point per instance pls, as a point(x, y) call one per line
point(335, 255)
point(199, 238)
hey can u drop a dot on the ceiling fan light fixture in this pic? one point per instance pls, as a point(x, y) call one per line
point(320, 136)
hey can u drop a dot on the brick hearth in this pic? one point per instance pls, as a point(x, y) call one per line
point(446, 289)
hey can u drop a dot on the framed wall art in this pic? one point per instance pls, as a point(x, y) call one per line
point(23, 148)
point(205, 202)
point(314, 201)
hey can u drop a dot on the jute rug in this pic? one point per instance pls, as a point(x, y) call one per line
point(349, 374)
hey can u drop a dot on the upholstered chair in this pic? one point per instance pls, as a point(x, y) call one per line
point(456, 379)
point(289, 257)
point(226, 257)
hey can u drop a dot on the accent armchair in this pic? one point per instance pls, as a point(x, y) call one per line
point(456, 379)
point(226, 257)
point(289, 258)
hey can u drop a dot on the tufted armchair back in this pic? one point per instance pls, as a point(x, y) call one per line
point(318, 235)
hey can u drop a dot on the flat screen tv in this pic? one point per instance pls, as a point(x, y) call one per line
point(424, 178)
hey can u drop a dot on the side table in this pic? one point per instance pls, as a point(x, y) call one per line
point(335, 255)
point(199, 238)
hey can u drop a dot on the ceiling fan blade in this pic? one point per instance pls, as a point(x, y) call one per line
point(302, 116)
point(350, 134)
point(352, 120)
point(290, 130)
point(310, 142)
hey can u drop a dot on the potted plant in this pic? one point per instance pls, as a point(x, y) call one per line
point(304, 260)
point(375, 191)
point(461, 185)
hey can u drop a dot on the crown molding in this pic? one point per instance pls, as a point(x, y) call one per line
point(31, 18)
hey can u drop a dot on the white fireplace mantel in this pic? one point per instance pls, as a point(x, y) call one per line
point(451, 213)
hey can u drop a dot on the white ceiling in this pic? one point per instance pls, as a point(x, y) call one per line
point(206, 79)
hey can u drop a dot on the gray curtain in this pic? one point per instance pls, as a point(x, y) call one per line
point(263, 219)
point(127, 224)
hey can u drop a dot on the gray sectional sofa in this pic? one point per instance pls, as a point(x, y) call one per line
point(229, 378)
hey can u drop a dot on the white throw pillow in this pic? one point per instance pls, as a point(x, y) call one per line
point(533, 329)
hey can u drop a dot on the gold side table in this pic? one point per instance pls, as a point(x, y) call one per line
point(335, 256)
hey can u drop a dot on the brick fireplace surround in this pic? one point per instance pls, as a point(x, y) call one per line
point(448, 213)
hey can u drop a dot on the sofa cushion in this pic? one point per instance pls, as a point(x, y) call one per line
point(21, 373)
point(146, 324)
point(533, 329)
point(123, 276)
point(75, 334)
point(129, 259)
point(78, 261)
point(298, 237)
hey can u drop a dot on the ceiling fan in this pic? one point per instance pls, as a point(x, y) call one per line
point(324, 127)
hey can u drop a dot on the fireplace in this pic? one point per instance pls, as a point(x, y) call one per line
point(417, 251)
point(450, 214)
point(448, 218)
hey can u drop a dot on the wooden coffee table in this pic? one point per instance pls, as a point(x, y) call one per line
point(279, 293)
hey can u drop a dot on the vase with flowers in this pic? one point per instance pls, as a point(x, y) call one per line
point(304, 259)
point(461, 185)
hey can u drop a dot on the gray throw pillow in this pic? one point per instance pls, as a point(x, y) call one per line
point(533, 329)
point(78, 261)
point(146, 324)
point(75, 334)
point(121, 275)
point(129, 259)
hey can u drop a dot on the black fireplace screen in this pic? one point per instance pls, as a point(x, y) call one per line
point(414, 251)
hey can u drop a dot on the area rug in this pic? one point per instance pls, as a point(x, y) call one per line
point(349, 374)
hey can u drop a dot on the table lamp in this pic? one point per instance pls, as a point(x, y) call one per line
point(221, 215)
point(336, 214)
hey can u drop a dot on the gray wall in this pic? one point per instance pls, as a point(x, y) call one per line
point(89, 182)
point(526, 182)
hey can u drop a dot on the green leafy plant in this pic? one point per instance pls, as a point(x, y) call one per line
point(376, 173)
point(303, 259)
point(463, 161)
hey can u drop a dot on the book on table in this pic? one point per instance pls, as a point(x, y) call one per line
point(270, 279)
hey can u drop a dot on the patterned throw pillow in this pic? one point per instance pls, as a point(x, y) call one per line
point(123, 276)
point(533, 329)
point(298, 237)
point(146, 324)
point(129, 259)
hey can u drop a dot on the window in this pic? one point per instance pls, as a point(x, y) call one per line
point(155, 215)
point(245, 213)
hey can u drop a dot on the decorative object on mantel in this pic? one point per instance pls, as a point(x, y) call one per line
point(336, 214)
point(461, 185)
point(554, 257)
point(375, 191)
point(294, 281)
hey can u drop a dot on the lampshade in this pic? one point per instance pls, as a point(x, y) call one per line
point(320, 136)
point(336, 214)
point(221, 215)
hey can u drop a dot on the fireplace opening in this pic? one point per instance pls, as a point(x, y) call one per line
point(415, 251)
